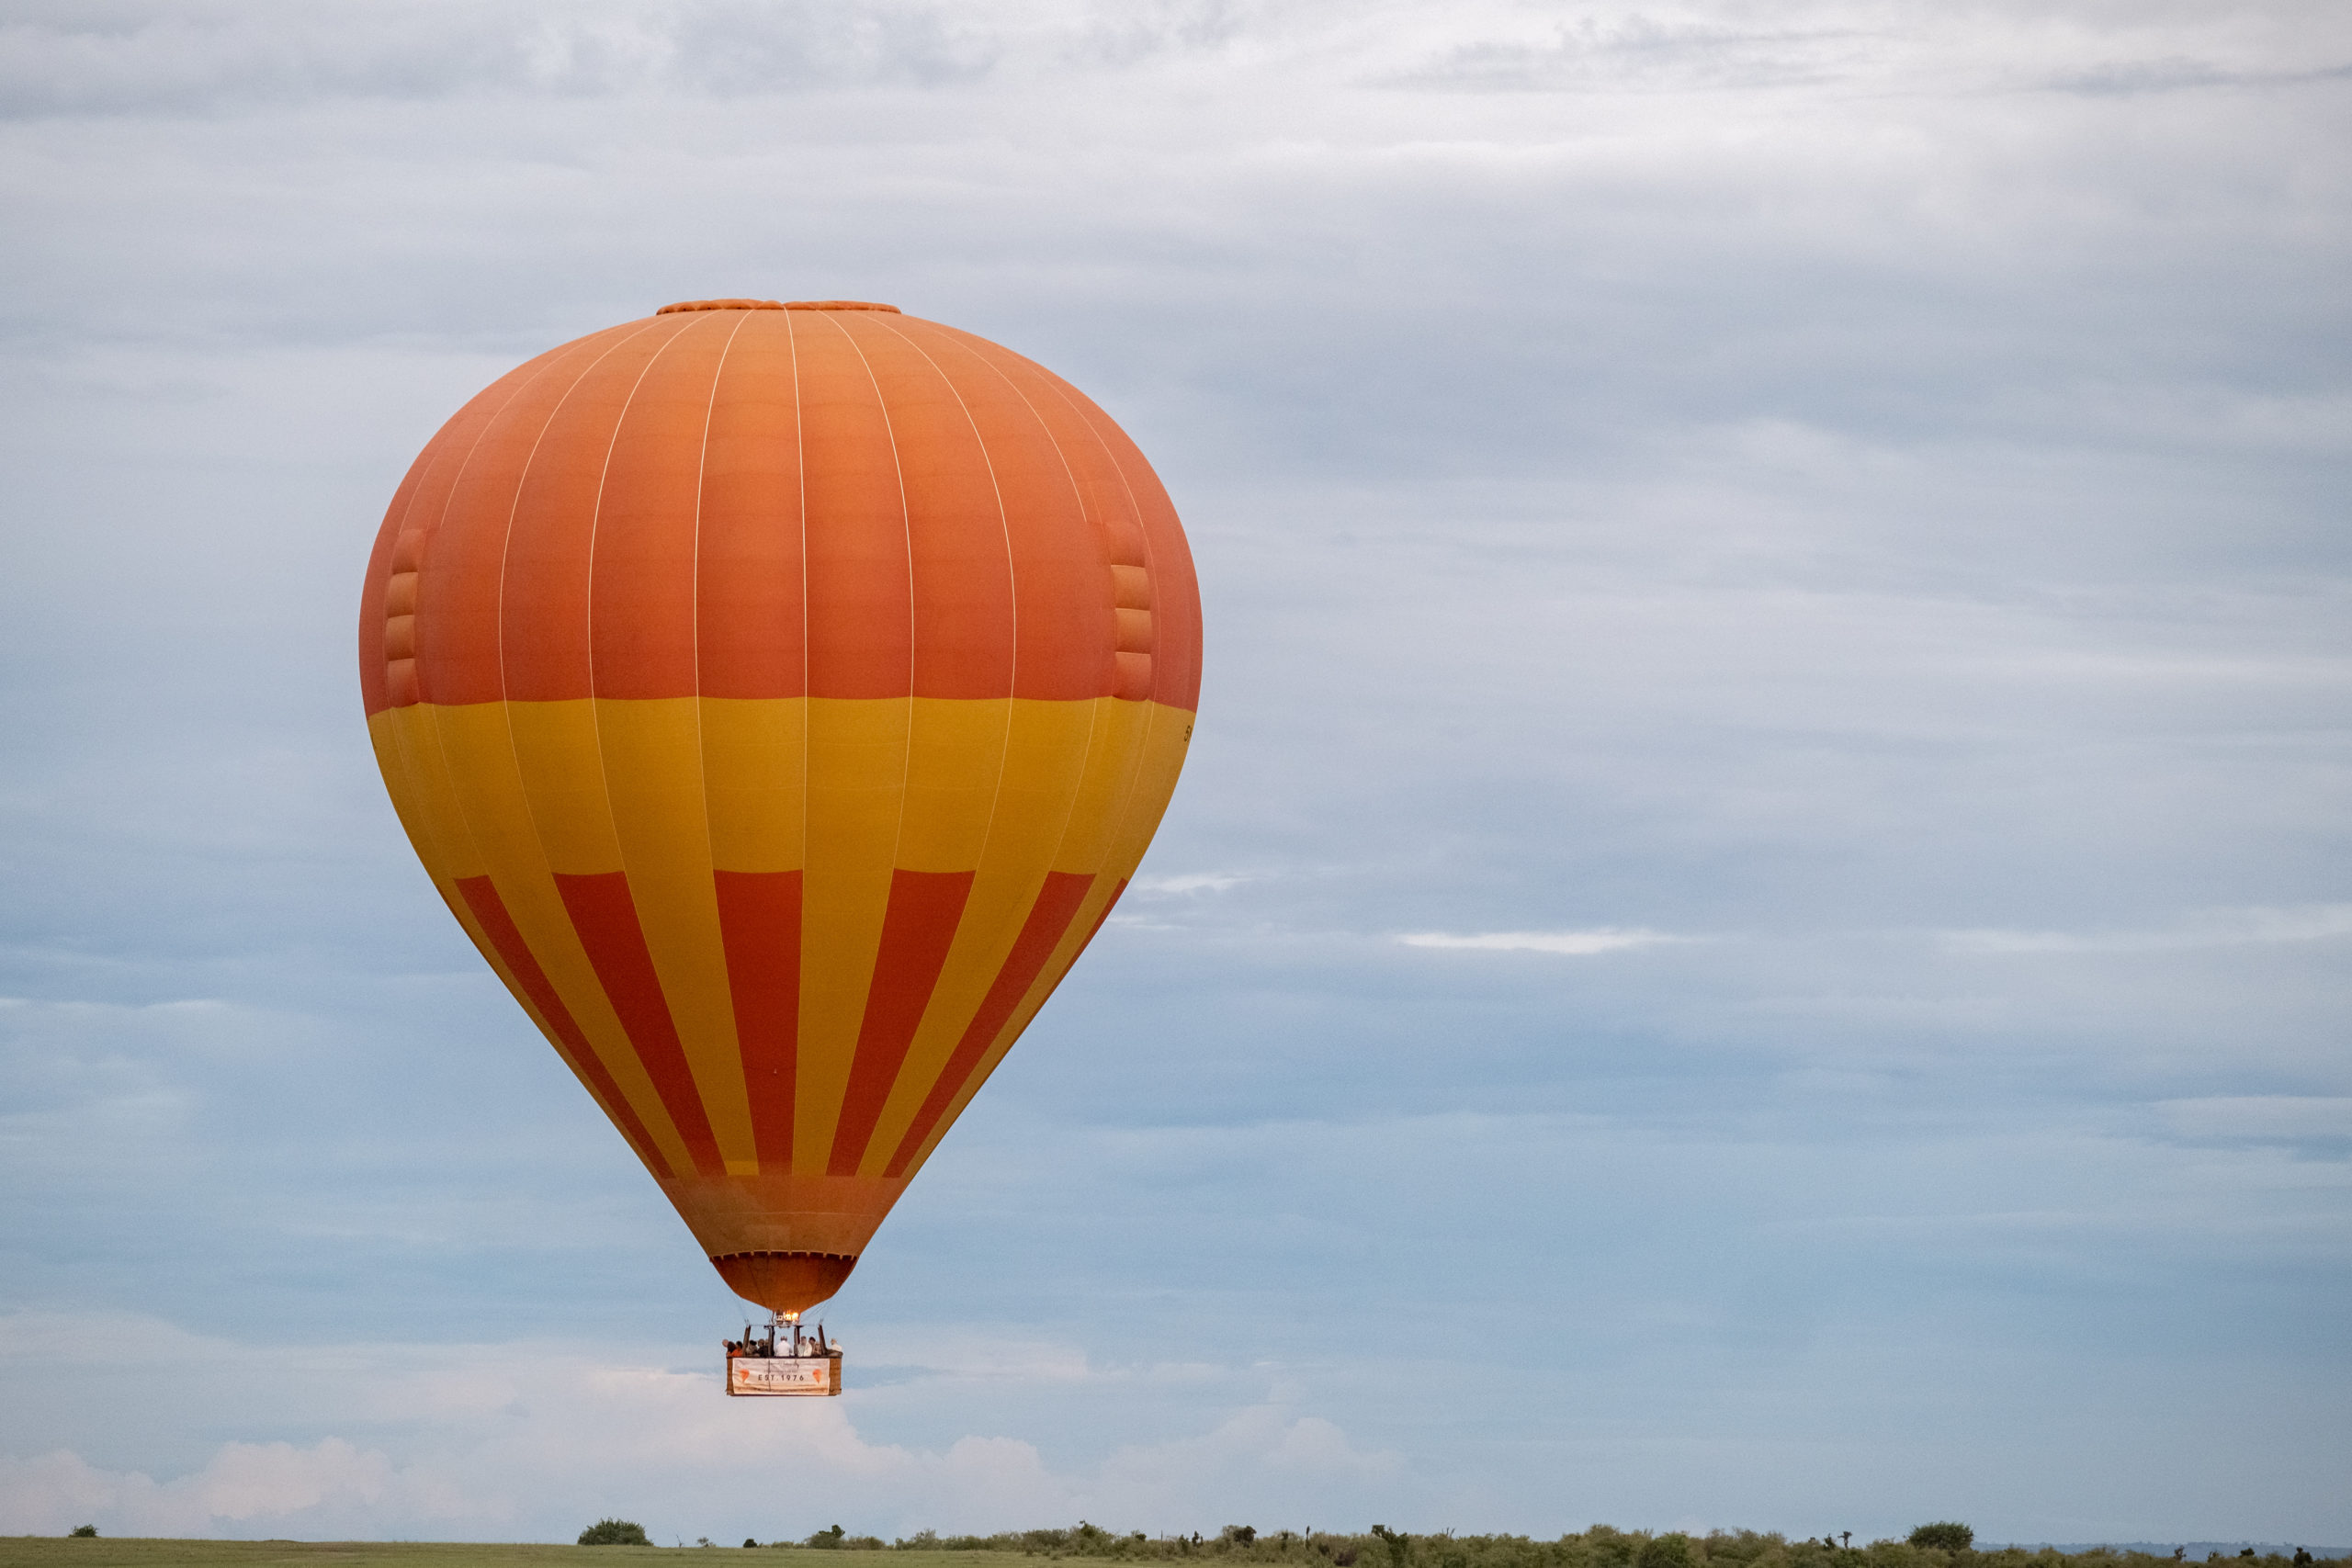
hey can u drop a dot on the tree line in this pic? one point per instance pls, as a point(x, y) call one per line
point(1942, 1544)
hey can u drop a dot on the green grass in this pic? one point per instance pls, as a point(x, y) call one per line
point(50, 1551)
point(1599, 1547)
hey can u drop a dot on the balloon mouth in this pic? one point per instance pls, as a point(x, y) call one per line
point(775, 305)
point(784, 1282)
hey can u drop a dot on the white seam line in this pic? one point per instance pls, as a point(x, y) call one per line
point(1153, 707)
point(1012, 582)
point(472, 840)
point(660, 1116)
point(998, 1046)
point(702, 770)
point(907, 527)
point(1004, 746)
point(906, 774)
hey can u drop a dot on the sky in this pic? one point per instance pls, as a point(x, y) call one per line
point(1756, 934)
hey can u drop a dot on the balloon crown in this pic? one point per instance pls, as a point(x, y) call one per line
point(774, 305)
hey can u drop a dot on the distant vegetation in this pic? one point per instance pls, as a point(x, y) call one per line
point(1945, 1534)
point(1944, 1544)
point(610, 1542)
point(835, 1540)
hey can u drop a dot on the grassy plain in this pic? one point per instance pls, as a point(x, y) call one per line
point(1599, 1547)
point(50, 1551)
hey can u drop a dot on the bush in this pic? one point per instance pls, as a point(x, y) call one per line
point(1948, 1535)
point(614, 1532)
point(1669, 1551)
point(1612, 1547)
point(839, 1540)
point(86, 1532)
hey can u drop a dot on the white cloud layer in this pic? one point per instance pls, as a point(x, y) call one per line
point(1194, 882)
point(519, 1439)
point(1603, 939)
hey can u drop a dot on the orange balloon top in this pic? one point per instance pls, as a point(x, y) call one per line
point(774, 305)
point(743, 498)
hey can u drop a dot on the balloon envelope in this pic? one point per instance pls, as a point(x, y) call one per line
point(780, 696)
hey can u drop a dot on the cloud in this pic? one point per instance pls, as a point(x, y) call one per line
point(476, 1441)
point(2209, 928)
point(210, 57)
point(244, 1489)
point(1196, 882)
point(1260, 1459)
point(1599, 939)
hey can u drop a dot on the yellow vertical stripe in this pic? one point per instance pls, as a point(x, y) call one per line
point(858, 773)
point(955, 758)
point(755, 780)
point(486, 778)
point(1112, 753)
point(452, 853)
point(1167, 738)
point(383, 734)
point(1120, 787)
point(1044, 761)
point(561, 767)
point(651, 751)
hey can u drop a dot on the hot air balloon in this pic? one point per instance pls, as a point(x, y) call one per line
point(780, 695)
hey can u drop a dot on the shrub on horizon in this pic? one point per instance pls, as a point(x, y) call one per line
point(1947, 1535)
point(614, 1532)
point(1672, 1549)
point(84, 1532)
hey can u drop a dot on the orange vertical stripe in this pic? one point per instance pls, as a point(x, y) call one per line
point(465, 548)
point(606, 917)
point(751, 637)
point(375, 691)
point(960, 570)
point(759, 920)
point(1176, 633)
point(642, 620)
point(1057, 902)
point(421, 507)
point(861, 614)
point(481, 896)
point(543, 580)
point(916, 934)
point(1062, 577)
point(1176, 616)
